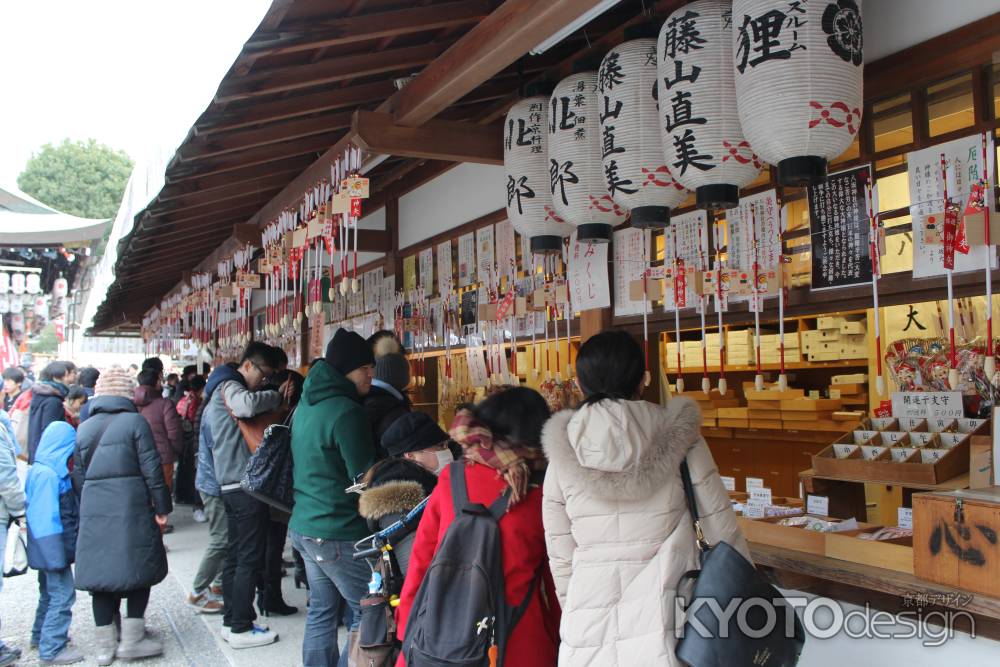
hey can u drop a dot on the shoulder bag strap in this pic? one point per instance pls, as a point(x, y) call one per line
point(90, 454)
point(459, 491)
point(692, 504)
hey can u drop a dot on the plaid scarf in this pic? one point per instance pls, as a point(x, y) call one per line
point(512, 462)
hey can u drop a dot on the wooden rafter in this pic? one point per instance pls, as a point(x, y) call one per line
point(292, 165)
point(238, 140)
point(260, 155)
point(340, 68)
point(234, 191)
point(322, 33)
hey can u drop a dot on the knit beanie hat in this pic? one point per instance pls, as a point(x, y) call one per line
point(348, 351)
point(115, 381)
point(393, 370)
point(411, 433)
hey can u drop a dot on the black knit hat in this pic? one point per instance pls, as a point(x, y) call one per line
point(411, 433)
point(394, 370)
point(348, 351)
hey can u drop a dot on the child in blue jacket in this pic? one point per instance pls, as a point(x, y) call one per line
point(53, 515)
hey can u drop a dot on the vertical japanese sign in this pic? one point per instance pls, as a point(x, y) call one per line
point(446, 277)
point(629, 266)
point(427, 270)
point(527, 260)
point(389, 302)
point(410, 273)
point(692, 247)
point(839, 230)
point(372, 283)
point(484, 255)
point(466, 259)
point(964, 158)
point(588, 275)
point(506, 248)
point(740, 230)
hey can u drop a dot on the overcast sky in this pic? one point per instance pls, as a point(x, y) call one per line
point(134, 74)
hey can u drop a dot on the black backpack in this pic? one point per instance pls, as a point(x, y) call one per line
point(460, 614)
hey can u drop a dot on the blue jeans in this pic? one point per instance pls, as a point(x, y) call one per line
point(333, 575)
point(56, 596)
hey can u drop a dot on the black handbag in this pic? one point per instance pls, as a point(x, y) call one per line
point(776, 636)
point(268, 475)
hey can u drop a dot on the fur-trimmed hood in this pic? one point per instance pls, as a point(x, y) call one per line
point(393, 497)
point(620, 448)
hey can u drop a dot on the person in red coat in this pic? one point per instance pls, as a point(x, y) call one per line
point(500, 439)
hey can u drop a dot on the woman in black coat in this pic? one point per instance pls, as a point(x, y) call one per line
point(120, 551)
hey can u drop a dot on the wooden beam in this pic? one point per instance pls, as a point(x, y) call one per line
point(291, 107)
point(235, 191)
point(313, 145)
point(317, 34)
point(497, 41)
point(213, 209)
point(206, 146)
point(293, 165)
point(439, 140)
point(339, 68)
point(275, 15)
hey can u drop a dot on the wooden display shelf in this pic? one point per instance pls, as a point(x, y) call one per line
point(861, 584)
point(953, 484)
point(671, 369)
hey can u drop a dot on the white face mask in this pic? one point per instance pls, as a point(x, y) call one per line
point(444, 458)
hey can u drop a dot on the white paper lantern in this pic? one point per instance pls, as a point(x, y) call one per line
point(799, 73)
point(576, 173)
point(17, 283)
point(526, 163)
point(635, 172)
point(4, 303)
point(60, 287)
point(33, 283)
point(700, 127)
point(4, 283)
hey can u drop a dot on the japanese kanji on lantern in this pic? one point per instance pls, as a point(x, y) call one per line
point(799, 69)
point(526, 163)
point(635, 172)
point(702, 139)
point(576, 176)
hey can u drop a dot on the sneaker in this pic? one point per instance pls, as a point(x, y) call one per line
point(67, 656)
point(226, 633)
point(199, 516)
point(257, 636)
point(203, 603)
point(212, 595)
point(216, 591)
point(9, 655)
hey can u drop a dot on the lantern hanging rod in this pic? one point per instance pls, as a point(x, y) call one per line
point(573, 26)
point(19, 269)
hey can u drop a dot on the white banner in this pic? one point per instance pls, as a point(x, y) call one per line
point(588, 275)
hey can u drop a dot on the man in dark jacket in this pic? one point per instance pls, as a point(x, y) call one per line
point(386, 401)
point(231, 394)
point(47, 397)
point(331, 447)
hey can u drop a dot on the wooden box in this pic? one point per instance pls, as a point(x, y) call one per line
point(894, 554)
point(955, 539)
point(796, 538)
point(773, 394)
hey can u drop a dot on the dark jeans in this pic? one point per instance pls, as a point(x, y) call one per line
point(247, 519)
point(105, 605)
point(277, 531)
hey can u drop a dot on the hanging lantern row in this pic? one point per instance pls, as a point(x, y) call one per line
point(699, 104)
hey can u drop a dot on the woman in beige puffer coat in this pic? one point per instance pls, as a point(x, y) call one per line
point(617, 527)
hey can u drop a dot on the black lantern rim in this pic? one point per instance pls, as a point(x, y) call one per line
point(593, 233)
point(651, 217)
point(802, 171)
point(546, 245)
point(717, 196)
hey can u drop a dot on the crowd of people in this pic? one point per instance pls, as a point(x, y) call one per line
point(588, 532)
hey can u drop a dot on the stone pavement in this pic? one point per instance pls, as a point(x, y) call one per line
point(190, 639)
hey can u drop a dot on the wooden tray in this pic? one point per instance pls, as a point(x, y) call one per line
point(891, 554)
point(767, 531)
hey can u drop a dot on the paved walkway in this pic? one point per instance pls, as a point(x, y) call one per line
point(190, 639)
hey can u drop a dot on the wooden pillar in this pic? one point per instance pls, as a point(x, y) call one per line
point(594, 322)
point(393, 261)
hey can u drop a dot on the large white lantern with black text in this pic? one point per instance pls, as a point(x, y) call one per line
point(702, 138)
point(635, 172)
point(576, 174)
point(799, 72)
point(526, 163)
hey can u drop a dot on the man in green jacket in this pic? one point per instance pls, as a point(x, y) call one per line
point(331, 446)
